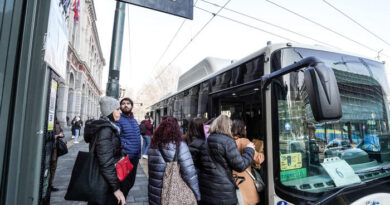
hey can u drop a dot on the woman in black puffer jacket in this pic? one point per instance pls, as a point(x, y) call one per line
point(108, 148)
point(163, 148)
point(217, 186)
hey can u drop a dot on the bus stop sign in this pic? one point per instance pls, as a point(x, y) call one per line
point(182, 8)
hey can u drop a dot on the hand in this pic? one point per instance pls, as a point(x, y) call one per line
point(251, 145)
point(119, 195)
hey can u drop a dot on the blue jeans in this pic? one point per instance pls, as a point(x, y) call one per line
point(146, 144)
point(77, 133)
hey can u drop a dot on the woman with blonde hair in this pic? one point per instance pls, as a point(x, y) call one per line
point(218, 156)
point(247, 188)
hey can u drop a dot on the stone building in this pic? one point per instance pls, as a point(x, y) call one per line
point(78, 94)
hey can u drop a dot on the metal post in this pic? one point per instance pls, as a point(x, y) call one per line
point(116, 51)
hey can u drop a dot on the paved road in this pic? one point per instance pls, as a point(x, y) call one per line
point(137, 196)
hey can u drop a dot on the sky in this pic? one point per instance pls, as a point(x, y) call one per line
point(147, 32)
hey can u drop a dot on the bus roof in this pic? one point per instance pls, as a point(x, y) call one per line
point(271, 48)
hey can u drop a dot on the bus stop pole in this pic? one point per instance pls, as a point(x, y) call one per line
point(116, 51)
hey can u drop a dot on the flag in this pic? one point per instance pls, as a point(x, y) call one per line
point(76, 9)
point(65, 5)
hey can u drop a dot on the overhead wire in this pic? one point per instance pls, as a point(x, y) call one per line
point(171, 41)
point(254, 27)
point(353, 20)
point(168, 46)
point(197, 34)
point(245, 24)
point(193, 38)
point(274, 25)
point(325, 27)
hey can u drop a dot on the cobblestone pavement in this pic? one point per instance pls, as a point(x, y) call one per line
point(138, 194)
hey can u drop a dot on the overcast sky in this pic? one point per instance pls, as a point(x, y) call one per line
point(148, 33)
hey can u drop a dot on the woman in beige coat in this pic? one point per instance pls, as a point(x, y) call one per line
point(247, 188)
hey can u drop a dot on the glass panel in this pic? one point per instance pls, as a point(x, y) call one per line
point(360, 139)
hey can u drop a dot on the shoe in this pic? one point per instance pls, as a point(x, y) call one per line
point(54, 189)
point(145, 156)
point(72, 136)
point(76, 142)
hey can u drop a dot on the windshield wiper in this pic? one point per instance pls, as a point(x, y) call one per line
point(352, 186)
point(326, 198)
point(383, 167)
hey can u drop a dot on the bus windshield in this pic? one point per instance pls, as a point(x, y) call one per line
point(317, 157)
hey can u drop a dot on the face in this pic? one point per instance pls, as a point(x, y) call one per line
point(126, 106)
point(117, 114)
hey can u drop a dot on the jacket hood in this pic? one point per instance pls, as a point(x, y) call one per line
point(93, 127)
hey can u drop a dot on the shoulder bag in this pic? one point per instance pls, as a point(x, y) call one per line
point(86, 182)
point(175, 191)
point(259, 183)
point(62, 149)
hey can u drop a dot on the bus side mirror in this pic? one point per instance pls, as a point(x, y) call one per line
point(323, 92)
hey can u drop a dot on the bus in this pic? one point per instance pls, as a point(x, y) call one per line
point(322, 114)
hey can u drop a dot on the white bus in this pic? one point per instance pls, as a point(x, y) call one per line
point(322, 114)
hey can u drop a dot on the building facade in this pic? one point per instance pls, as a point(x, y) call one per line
point(78, 94)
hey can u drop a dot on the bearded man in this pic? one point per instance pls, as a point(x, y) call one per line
point(130, 139)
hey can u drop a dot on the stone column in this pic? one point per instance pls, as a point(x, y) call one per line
point(84, 105)
point(93, 107)
point(89, 110)
point(71, 104)
point(77, 106)
point(62, 104)
point(98, 111)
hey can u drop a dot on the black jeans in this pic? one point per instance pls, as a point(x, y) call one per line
point(125, 186)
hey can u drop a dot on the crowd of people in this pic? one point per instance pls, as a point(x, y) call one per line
point(208, 162)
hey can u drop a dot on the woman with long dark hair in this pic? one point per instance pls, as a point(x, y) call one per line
point(196, 137)
point(248, 189)
point(194, 131)
point(167, 143)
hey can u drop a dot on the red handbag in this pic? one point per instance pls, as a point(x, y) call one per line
point(123, 168)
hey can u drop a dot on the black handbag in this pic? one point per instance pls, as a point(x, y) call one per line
point(259, 183)
point(61, 147)
point(86, 182)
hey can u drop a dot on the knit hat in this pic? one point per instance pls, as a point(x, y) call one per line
point(108, 105)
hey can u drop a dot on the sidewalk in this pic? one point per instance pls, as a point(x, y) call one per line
point(138, 194)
